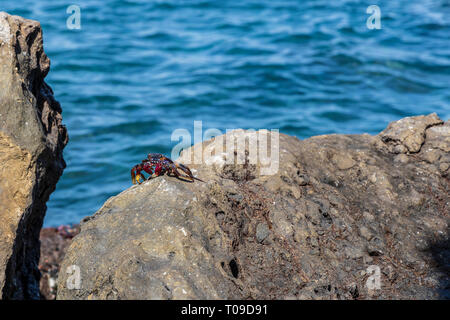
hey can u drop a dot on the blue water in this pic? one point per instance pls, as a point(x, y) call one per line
point(138, 69)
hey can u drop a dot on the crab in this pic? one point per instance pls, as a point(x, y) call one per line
point(158, 164)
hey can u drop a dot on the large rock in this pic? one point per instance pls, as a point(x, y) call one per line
point(31, 142)
point(340, 212)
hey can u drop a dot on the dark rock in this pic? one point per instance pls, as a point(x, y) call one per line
point(31, 142)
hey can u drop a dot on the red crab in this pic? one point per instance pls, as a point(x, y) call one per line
point(160, 164)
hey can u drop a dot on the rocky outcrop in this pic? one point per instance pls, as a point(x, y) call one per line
point(54, 243)
point(339, 214)
point(31, 142)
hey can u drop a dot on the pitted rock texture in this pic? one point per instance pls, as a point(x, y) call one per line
point(32, 138)
point(338, 209)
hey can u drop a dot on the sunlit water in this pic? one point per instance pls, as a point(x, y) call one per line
point(137, 70)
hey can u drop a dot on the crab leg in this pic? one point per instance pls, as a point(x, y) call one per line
point(185, 170)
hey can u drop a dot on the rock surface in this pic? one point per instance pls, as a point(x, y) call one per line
point(31, 142)
point(340, 210)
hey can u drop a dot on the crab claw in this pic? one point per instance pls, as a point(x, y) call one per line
point(136, 174)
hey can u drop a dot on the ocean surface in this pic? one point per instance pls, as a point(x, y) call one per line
point(139, 69)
